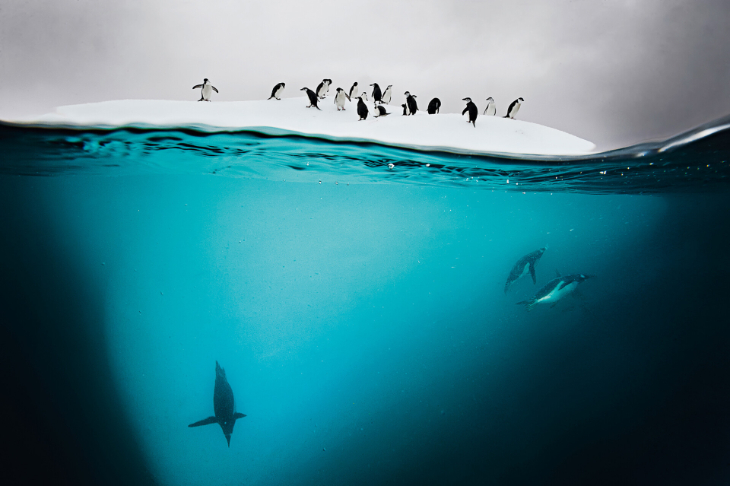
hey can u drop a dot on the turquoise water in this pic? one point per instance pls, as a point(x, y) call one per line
point(359, 311)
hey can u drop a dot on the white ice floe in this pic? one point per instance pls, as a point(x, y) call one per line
point(448, 132)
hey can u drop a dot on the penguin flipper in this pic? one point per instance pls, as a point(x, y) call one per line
point(208, 421)
point(238, 415)
point(532, 273)
point(197, 86)
point(465, 110)
point(214, 89)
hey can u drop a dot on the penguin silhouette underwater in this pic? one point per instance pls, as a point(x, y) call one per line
point(223, 406)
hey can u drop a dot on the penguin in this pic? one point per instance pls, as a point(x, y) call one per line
point(491, 108)
point(312, 98)
point(411, 102)
point(340, 98)
point(322, 89)
point(327, 89)
point(514, 107)
point(473, 111)
point(387, 94)
point(381, 111)
point(377, 95)
point(523, 266)
point(405, 109)
point(353, 91)
point(206, 91)
point(364, 95)
point(276, 92)
point(555, 290)
point(223, 406)
point(362, 108)
point(433, 106)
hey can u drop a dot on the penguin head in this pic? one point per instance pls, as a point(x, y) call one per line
point(521, 98)
point(490, 99)
point(304, 89)
point(355, 83)
point(339, 89)
point(283, 85)
point(407, 93)
point(205, 80)
point(389, 86)
point(467, 99)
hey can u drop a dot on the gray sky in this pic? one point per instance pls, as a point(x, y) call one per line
point(614, 72)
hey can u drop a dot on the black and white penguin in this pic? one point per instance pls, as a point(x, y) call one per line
point(340, 98)
point(362, 108)
point(327, 89)
point(433, 106)
point(381, 111)
point(387, 94)
point(377, 94)
point(312, 98)
point(555, 290)
point(405, 109)
point(473, 111)
point(276, 92)
point(411, 102)
point(524, 265)
point(491, 108)
point(322, 88)
point(206, 91)
point(354, 91)
point(514, 107)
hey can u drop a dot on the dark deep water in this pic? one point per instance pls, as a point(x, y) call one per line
point(361, 321)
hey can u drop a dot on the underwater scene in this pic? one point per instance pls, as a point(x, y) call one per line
point(181, 307)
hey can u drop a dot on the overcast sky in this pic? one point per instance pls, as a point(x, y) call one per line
point(614, 72)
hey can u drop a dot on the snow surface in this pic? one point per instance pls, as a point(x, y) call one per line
point(448, 132)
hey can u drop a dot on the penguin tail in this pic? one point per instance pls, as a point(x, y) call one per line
point(473, 122)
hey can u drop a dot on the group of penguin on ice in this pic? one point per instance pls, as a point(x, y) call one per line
point(410, 107)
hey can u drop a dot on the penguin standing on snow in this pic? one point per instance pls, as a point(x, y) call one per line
point(206, 91)
point(377, 94)
point(473, 111)
point(411, 102)
point(491, 108)
point(276, 92)
point(362, 108)
point(327, 89)
point(340, 98)
point(433, 106)
point(354, 91)
point(405, 109)
point(312, 98)
point(514, 107)
point(387, 94)
point(322, 88)
point(381, 111)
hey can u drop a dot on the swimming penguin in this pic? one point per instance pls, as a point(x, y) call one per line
point(405, 109)
point(523, 266)
point(353, 91)
point(206, 91)
point(555, 290)
point(276, 92)
point(362, 108)
point(491, 108)
point(381, 111)
point(473, 111)
point(377, 95)
point(223, 406)
point(387, 95)
point(312, 98)
point(411, 102)
point(322, 89)
point(514, 107)
point(340, 98)
point(433, 106)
